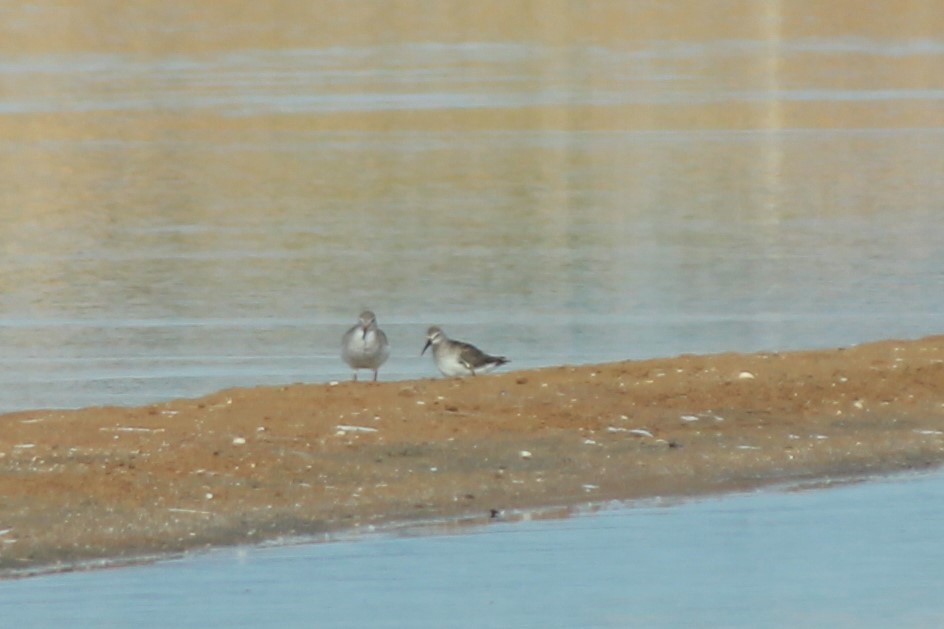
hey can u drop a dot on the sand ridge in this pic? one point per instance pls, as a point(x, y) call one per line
point(251, 464)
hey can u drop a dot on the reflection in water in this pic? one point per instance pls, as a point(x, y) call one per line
point(774, 122)
point(573, 247)
point(179, 218)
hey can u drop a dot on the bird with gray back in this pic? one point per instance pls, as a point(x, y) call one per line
point(456, 358)
point(365, 345)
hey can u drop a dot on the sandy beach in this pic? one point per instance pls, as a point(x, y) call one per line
point(253, 464)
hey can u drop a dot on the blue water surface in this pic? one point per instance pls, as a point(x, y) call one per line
point(856, 555)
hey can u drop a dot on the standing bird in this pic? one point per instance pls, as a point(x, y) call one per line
point(365, 345)
point(455, 358)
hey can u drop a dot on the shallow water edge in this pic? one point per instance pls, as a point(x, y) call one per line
point(243, 466)
point(457, 525)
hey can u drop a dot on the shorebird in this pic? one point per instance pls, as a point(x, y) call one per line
point(455, 358)
point(365, 345)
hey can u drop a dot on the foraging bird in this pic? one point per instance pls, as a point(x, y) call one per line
point(365, 345)
point(455, 358)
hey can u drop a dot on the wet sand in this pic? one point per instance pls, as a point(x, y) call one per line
point(253, 464)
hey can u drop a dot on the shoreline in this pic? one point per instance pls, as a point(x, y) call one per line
point(446, 525)
point(113, 486)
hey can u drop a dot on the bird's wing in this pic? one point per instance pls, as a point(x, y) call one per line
point(472, 357)
point(350, 333)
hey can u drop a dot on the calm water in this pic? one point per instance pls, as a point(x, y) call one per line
point(211, 201)
point(866, 555)
point(167, 258)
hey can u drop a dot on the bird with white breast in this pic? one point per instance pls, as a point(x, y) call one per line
point(365, 345)
point(456, 358)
